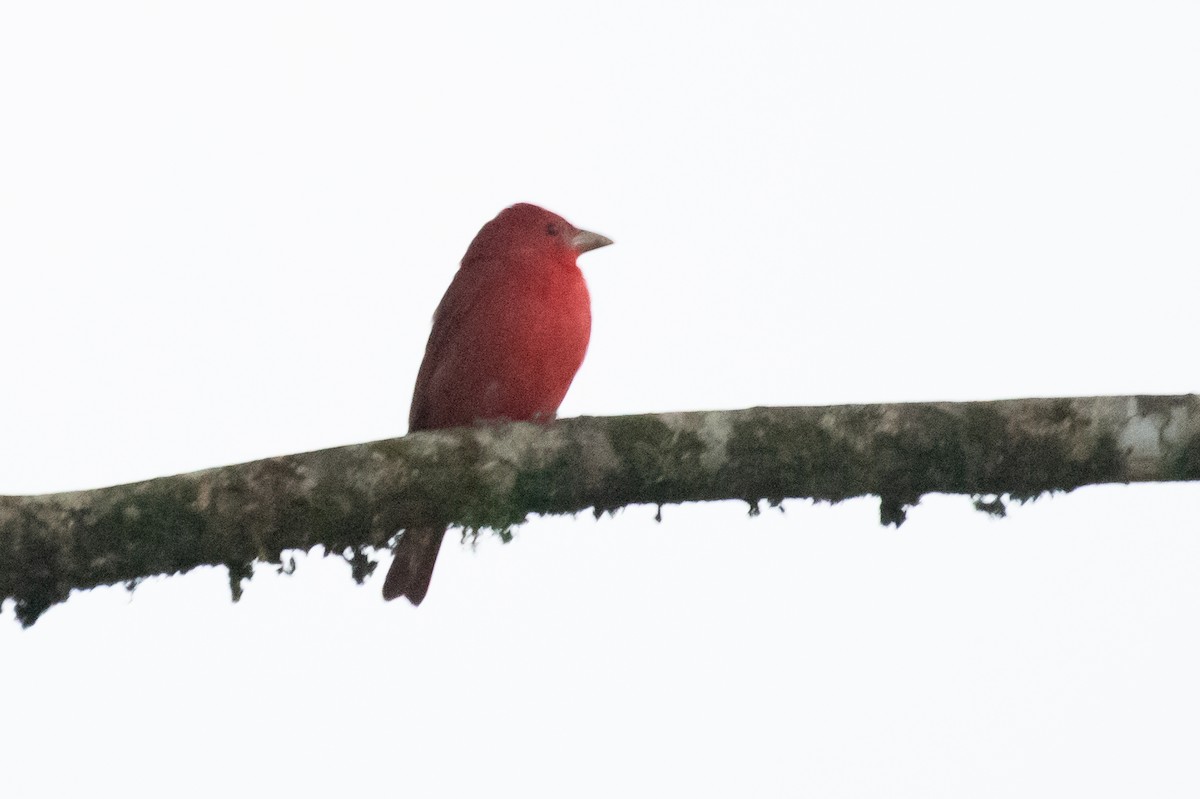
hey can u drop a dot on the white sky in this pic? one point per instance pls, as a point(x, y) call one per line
point(224, 227)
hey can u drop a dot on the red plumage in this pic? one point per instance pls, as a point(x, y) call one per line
point(508, 338)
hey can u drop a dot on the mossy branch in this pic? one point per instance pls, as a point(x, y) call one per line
point(353, 499)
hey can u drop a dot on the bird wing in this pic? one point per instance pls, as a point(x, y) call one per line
point(473, 281)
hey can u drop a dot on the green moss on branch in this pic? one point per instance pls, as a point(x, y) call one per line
point(353, 499)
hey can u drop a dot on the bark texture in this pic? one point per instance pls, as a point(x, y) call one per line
point(354, 499)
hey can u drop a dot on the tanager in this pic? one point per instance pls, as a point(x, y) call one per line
point(507, 339)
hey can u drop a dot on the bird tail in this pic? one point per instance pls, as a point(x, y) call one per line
point(412, 567)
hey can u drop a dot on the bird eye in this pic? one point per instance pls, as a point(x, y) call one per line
point(552, 229)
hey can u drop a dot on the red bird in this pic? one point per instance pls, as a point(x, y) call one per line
point(507, 340)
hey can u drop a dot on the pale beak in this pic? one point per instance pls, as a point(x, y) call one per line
point(585, 240)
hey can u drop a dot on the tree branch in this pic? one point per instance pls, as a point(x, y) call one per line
point(355, 498)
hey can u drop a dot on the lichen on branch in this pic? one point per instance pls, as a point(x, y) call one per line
point(352, 500)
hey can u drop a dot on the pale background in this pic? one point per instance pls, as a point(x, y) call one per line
point(224, 227)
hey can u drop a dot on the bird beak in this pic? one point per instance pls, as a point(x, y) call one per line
point(585, 240)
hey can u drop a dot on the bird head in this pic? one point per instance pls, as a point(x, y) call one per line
point(532, 231)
